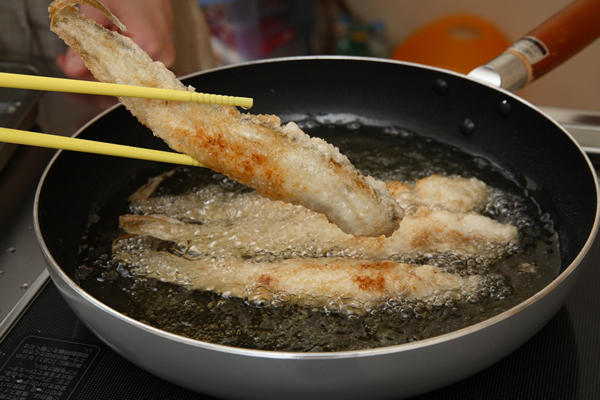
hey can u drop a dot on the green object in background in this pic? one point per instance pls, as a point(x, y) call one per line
point(354, 38)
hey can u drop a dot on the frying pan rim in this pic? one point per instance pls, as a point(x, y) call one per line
point(387, 350)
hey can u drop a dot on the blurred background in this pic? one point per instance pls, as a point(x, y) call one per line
point(458, 35)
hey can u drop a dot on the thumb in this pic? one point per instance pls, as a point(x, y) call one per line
point(71, 64)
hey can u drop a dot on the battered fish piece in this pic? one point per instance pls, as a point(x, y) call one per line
point(322, 282)
point(440, 218)
point(432, 231)
point(280, 162)
point(436, 192)
point(235, 243)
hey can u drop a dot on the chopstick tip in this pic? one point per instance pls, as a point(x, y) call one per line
point(245, 102)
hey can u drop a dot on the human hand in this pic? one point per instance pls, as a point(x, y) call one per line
point(149, 24)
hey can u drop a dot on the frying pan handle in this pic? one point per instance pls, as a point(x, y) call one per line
point(544, 48)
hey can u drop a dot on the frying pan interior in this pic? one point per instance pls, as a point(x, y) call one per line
point(486, 122)
point(481, 120)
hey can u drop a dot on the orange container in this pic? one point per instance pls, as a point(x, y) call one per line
point(457, 42)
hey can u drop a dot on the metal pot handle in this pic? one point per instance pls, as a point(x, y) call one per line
point(544, 48)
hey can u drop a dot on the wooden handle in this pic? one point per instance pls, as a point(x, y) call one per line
point(559, 38)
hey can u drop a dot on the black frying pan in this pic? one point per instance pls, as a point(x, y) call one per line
point(479, 119)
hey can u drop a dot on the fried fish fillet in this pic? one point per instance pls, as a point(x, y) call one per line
point(243, 241)
point(280, 161)
point(318, 282)
point(440, 218)
point(309, 234)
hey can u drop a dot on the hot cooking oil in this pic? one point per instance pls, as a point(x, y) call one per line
point(266, 320)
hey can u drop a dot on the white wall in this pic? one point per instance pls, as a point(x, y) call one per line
point(575, 84)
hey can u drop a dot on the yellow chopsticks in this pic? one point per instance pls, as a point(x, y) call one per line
point(19, 81)
point(89, 146)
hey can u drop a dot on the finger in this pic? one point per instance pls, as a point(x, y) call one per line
point(71, 64)
point(73, 67)
point(150, 25)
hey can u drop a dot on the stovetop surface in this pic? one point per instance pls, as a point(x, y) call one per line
point(49, 354)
